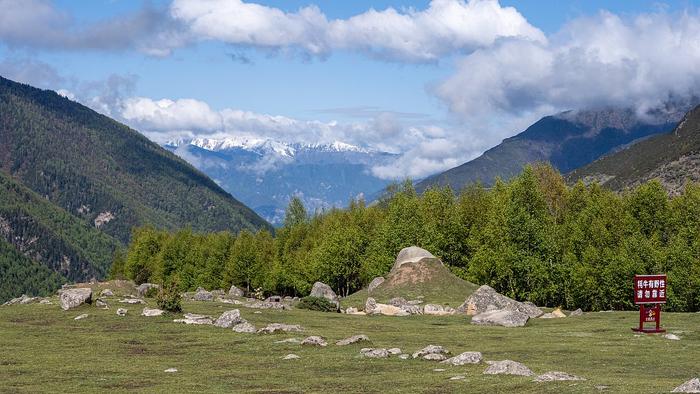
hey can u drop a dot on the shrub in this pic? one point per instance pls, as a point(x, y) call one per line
point(152, 292)
point(168, 299)
point(317, 304)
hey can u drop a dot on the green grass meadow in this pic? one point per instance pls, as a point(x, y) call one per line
point(42, 349)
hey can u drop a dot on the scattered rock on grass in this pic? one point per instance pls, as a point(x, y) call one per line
point(106, 293)
point(374, 352)
point(555, 314)
point(143, 288)
point(274, 327)
point(203, 295)
point(235, 292)
point(122, 312)
point(244, 327)
point(132, 301)
point(430, 349)
point(374, 308)
point(458, 377)
point(438, 310)
point(151, 312)
point(101, 304)
point(170, 370)
point(289, 340)
point(81, 317)
point(434, 357)
point(672, 337)
point(322, 290)
point(404, 356)
point(191, 318)
point(291, 357)
point(23, 300)
point(352, 339)
point(375, 283)
point(314, 340)
point(72, 298)
point(577, 312)
point(464, 358)
point(394, 351)
point(229, 319)
point(552, 376)
point(507, 367)
point(485, 298)
point(691, 386)
point(500, 317)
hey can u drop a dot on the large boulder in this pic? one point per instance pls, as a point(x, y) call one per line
point(412, 254)
point(485, 298)
point(229, 319)
point(143, 288)
point(203, 295)
point(322, 290)
point(372, 307)
point(507, 367)
point(464, 358)
point(73, 298)
point(235, 292)
point(501, 317)
point(375, 283)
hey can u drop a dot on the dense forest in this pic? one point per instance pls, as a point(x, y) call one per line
point(532, 238)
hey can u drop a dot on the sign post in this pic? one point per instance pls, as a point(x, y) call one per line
point(649, 294)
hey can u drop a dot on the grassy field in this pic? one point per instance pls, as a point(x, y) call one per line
point(42, 349)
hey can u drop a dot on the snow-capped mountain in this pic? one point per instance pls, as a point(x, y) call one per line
point(265, 174)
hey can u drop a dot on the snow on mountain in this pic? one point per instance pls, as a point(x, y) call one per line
point(261, 145)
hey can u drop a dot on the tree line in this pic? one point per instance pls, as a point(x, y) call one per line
point(531, 238)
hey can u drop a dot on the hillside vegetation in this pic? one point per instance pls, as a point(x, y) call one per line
point(104, 172)
point(672, 158)
point(531, 238)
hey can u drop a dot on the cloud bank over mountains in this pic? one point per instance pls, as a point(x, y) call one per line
point(505, 73)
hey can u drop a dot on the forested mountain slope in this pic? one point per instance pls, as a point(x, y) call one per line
point(568, 141)
point(672, 158)
point(104, 172)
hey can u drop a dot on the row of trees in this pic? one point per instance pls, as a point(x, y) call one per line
point(531, 238)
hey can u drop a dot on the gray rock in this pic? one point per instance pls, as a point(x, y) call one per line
point(122, 312)
point(374, 352)
point(464, 358)
point(73, 298)
point(458, 377)
point(143, 288)
point(415, 302)
point(106, 293)
point(672, 337)
point(203, 295)
point(507, 367)
point(289, 340)
point(352, 339)
point(291, 357)
point(100, 303)
point(218, 293)
point(486, 298)
point(430, 349)
point(132, 301)
point(412, 254)
point(404, 356)
point(22, 300)
point(577, 312)
point(229, 319)
point(152, 312)
point(245, 328)
point(691, 386)
point(374, 308)
point(439, 370)
point(434, 357)
point(45, 302)
point(397, 301)
point(257, 304)
point(81, 317)
point(322, 290)
point(394, 351)
point(273, 299)
point(552, 376)
point(351, 310)
point(191, 318)
point(275, 327)
point(314, 340)
point(438, 310)
point(170, 370)
point(375, 283)
point(500, 318)
point(235, 292)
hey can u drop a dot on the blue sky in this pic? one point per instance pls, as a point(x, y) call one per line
point(439, 96)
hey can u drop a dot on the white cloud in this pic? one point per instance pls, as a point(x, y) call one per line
point(445, 27)
point(593, 62)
